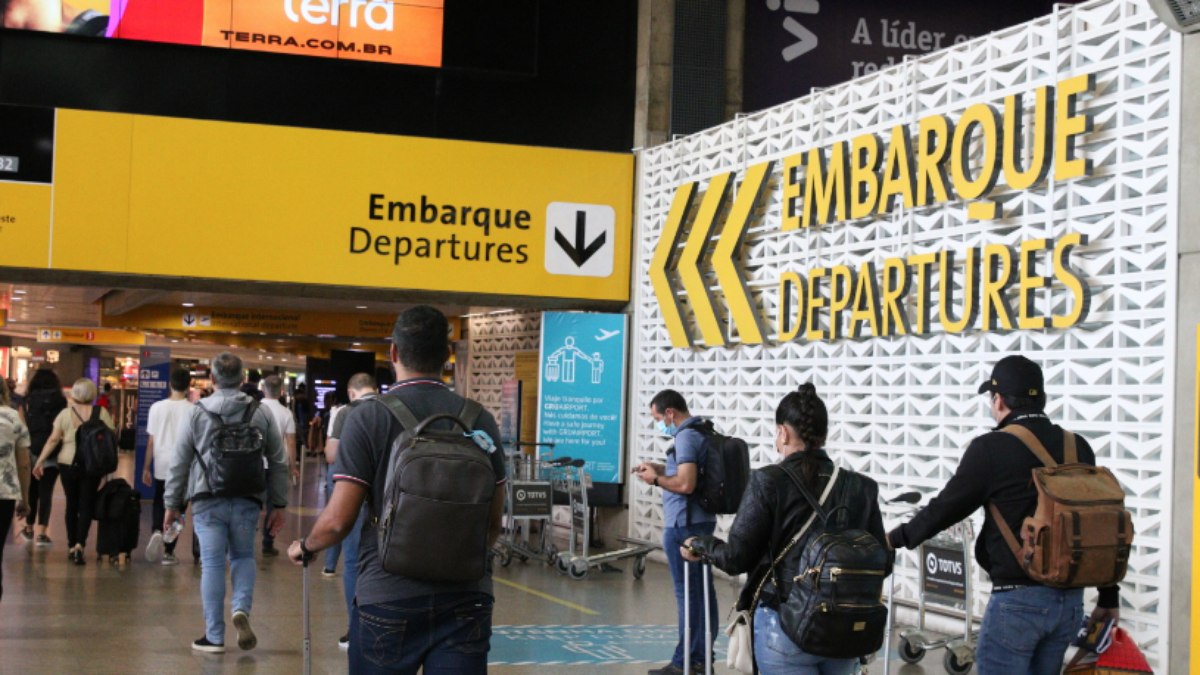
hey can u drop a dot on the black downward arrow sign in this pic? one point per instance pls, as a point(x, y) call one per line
point(581, 251)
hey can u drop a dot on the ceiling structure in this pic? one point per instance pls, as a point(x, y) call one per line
point(34, 306)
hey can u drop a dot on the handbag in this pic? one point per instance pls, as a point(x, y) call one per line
point(740, 653)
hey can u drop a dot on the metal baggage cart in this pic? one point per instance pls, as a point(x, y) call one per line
point(571, 480)
point(945, 577)
point(528, 500)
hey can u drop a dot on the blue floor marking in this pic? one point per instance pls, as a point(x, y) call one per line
point(587, 645)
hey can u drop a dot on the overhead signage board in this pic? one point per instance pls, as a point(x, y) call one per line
point(855, 181)
point(344, 209)
point(98, 336)
point(386, 31)
point(794, 46)
point(581, 398)
point(273, 321)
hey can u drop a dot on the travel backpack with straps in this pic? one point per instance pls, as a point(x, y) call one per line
point(1081, 534)
point(235, 456)
point(95, 445)
point(724, 471)
point(833, 607)
point(437, 497)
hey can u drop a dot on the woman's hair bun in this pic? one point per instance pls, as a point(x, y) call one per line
point(807, 389)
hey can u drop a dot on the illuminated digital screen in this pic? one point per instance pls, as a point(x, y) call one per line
point(403, 32)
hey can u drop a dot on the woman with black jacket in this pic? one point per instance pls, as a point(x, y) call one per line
point(771, 514)
point(43, 402)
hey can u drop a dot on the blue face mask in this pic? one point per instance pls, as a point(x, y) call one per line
point(664, 429)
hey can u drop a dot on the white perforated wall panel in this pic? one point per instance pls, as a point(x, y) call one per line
point(904, 408)
point(495, 340)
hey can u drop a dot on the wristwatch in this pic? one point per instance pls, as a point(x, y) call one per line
point(306, 555)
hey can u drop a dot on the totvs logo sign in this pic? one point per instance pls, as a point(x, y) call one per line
point(368, 30)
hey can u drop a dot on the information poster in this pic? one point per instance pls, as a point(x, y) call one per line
point(581, 399)
point(154, 377)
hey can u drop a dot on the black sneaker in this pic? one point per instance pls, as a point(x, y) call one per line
point(203, 645)
point(344, 642)
point(270, 551)
point(669, 669)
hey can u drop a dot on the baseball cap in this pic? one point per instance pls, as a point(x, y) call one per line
point(1015, 376)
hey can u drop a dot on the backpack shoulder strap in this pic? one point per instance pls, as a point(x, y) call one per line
point(1031, 441)
point(1070, 452)
point(251, 408)
point(470, 413)
point(95, 413)
point(399, 410)
point(771, 573)
point(1006, 531)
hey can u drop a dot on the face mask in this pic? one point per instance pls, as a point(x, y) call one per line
point(665, 429)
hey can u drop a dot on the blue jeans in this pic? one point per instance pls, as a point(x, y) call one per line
point(226, 529)
point(1028, 630)
point(350, 551)
point(673, 538)
point(774, 651)
point(332, 553)
point(444, 634)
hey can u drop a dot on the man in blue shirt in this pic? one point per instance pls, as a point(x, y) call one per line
point(682, 518)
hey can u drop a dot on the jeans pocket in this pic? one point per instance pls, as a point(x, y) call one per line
point(381, 638)
point(473, 628)
point(1022, 626)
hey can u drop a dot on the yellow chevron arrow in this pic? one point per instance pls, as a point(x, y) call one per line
point(737, 295)
point(668, 243)
point(693, 253)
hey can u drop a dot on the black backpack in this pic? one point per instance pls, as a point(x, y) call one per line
point(833, 608)
point(95, 445)
point(723, 472)
point(235, 456)
point(436, 511)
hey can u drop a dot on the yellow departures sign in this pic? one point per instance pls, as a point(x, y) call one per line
point(745, 317)
point(861, 178)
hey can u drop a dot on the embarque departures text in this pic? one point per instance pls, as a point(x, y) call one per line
point(859, 179)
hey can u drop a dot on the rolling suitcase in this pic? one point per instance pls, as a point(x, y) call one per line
point(705, 573)
point(118, 516)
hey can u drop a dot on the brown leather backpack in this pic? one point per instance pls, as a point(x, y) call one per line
point(1081, 534)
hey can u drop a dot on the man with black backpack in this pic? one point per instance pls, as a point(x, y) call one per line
point(1029, 623)
point(425, 460)
point(219, 469)
point(683, 516)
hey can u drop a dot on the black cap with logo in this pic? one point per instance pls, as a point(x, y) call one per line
point(1015, 376)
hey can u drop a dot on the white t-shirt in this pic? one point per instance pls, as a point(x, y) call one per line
point(284, 421)
point(167, 417)
point(13, 434)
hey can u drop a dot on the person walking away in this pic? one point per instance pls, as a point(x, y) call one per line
point(1027, 627)
point(253, 385)
point(360, 388)
point(285, 425)
point(167, 418)
point(43, 402)
point(105, 400)
point(447, 624)
point(14, 470)
point(79, 487)
point(219, 470)
point(683, 518)
point(771, 514)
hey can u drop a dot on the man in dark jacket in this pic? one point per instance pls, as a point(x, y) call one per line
point(1027, 627)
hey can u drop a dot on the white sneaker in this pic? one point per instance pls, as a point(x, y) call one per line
point(154, 549)
point(344, 642)
point(246, 637)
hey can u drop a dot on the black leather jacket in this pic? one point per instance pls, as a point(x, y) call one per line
point(773, 510)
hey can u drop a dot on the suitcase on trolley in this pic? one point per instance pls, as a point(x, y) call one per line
point(705, 580)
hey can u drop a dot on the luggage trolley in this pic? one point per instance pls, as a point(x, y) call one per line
point(570, 480)
point(945, 576)
point(527, 499)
